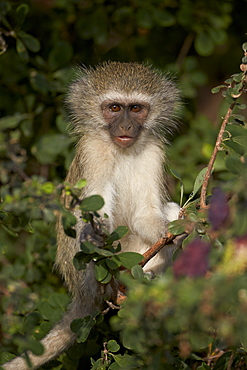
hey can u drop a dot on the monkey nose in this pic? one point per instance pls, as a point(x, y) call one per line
point(126, 127)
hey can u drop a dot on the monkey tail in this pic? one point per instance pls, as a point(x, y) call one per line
point(55, 342)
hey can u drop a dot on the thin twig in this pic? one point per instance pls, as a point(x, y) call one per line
point(112, 305)
point(229, 366)
point(152, 251)
point(213, 157)
point(185, 49)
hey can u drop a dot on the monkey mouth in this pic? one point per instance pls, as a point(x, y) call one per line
point(124, 141)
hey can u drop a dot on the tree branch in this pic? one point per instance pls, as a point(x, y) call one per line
point(213, 157)
point(152, 251)
point(241, 87)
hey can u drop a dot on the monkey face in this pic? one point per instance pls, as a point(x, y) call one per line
point(124, 121)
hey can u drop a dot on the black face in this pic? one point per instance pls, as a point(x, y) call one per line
point(125, 121)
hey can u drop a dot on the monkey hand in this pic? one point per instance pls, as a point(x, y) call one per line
point(92, 233)
point(178, 240)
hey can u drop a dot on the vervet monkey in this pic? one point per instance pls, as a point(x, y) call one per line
point(121, 112)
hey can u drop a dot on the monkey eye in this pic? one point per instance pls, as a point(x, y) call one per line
point(115, 107)
point(135, 108)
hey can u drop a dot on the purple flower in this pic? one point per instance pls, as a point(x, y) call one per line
point(193, 261)
point(218, 211)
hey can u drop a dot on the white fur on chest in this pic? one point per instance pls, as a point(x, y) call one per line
point(133, 188)
point(130, 181)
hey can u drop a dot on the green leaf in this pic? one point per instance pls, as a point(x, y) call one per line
point(107, 279)
point(244, 60)
point(48, 215)
point(11, 121)
point(26, 127)
point(242, 140)
point(30, 41)
point(100, 270)
point(44, 328)
point(130, 259)
point(236, 90)
point(117, 234)
point(41, 83)
point(80, 260)
point(238, 122)
point(86, 257)
point(33, 319)
point(101, 364)
point(49, 146)
point(241, 106)
point(200, 340)
point(204, 367)
point(112, 264)
point(216, 89)
point(178, 227)
point(113, 346)
point(229, 80)
point(82, 327)
point(5, 7)
point(59, 300)
point(62, 124)
point(88, 247)
point(222, 361)
point(114, 366)
point(137, 272)
point(21, 50)
point(244, 47)
point(163, 18)
point(35, 347)
point(68, 220)
point(5, 357)
point(199, 181)
point(240, 117)
point(92, 203)
point(234, 165)
point(237, 77)
point(193, 217)
point(48, 187)
point(227, 95)
point(22, 12)
point(239, 149)
point(103, 252)
point(9, 232)
point(122, 14)
point(143, 18)
point(45, 309)
point(177, 176)
point(204, 44)
point(60, 55)
point(197, 185)
point(116, 261)
point(77, 323)
point(80, 184)
point(125, 361)
point(217, 35)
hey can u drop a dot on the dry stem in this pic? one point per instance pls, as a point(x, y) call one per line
point(213, 157)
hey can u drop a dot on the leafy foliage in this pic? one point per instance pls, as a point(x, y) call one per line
point(195, 315)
